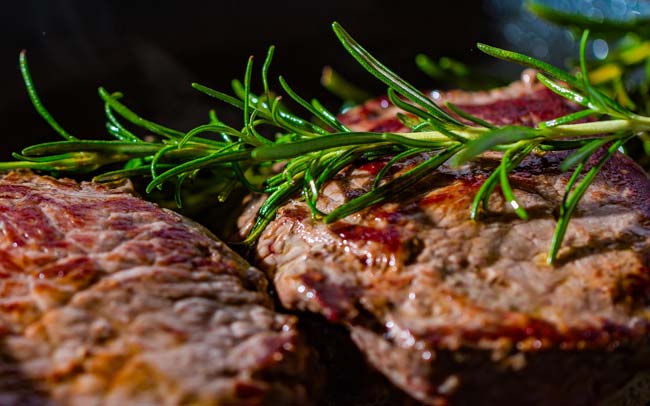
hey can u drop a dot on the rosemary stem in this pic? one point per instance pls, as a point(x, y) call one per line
point(641, 119)
point(639, 123)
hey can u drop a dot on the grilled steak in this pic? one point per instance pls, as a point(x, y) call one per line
point(461, 312)
point(108, 299)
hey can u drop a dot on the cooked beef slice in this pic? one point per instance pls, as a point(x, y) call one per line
point(106, 299)
point(459, 311)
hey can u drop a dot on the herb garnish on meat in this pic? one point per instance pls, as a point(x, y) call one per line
point(312, 152)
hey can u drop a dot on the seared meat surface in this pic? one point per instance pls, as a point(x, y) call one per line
point(462, 312)
point(108, 299)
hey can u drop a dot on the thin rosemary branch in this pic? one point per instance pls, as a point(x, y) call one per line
point(312, 152)
point(604, 26)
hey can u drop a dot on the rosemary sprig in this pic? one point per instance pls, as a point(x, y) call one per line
point(449, 72)
point(36, 101)
point(312, 152)
point(603, 26)
point(625, 72)
point(346, 91)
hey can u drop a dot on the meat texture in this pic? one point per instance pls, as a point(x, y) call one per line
point(461, 312)
point(108, 299)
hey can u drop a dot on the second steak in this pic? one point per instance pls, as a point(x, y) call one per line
point(453, 310)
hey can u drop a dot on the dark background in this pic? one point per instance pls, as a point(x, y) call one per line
point(153, 50)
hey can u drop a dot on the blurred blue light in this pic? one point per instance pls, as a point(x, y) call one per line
point(523, 32)
point(601, 49)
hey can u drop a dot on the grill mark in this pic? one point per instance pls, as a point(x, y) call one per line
point(389, 125)
point(373, 167)
point(528, 110)
point(461, 191)
point(337, 302)
point(29, 225)
point(7, 264)
point(633, 290)
point(388, 237)
point(597, 245)
point(67, 268)
point(534, 334)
